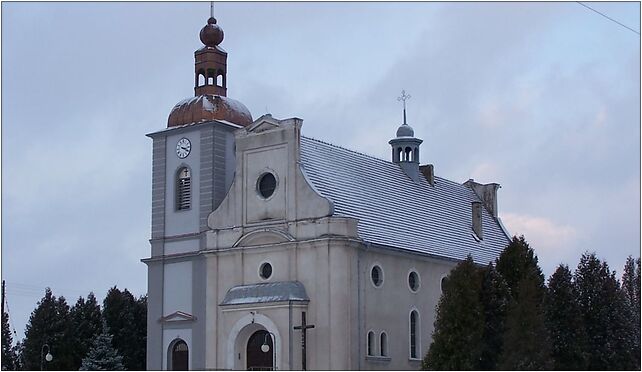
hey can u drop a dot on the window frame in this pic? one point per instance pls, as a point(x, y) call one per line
point(418, 282)
point(381, 275)
point(417, 335)
point(178, 191)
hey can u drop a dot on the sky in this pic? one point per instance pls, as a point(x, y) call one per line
point(542, 98)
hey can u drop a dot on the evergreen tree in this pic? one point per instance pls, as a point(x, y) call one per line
point(494, 297)
point(127, 323)
point(17, 351)
point(606, 316)
point(102, 356)
point(564, 322)
point(9, 358)
point(526, 341)
point(518, 261)
point(86, 324)
point(459, 325)
point(48, 324)
point(631, 291)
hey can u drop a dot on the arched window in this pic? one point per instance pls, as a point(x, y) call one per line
point(399, 154)
point(408, 156)
point(219, 80)
point(200, 78)
point(371, 343)
point(414, 334)
point(179, 356)
point(383, 343)
point(183, 189)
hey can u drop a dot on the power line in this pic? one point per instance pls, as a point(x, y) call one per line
point(607, 17)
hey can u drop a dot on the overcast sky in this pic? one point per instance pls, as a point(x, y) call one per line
point(542, 98)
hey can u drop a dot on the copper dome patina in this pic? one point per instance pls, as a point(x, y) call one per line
point(209, 107)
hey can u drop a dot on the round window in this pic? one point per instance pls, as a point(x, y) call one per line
point(413, 281)
point(444, 282)
point(376, 275)
point(265, 270)
point(266, 185)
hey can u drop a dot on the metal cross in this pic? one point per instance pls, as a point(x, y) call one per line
point(404, 97)
point(303, 327)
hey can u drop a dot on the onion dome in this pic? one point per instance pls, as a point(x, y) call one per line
point(405, 130)
point(209, 107)
point(211, 34)
point(210, 101)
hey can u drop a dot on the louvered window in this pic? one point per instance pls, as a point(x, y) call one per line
point(183, 190)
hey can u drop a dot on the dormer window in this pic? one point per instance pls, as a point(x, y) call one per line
point(183, 189)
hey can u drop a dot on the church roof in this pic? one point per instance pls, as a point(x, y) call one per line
point(395, 211)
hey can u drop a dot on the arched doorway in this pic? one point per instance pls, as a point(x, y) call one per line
point(257, 359)
point(179, 356)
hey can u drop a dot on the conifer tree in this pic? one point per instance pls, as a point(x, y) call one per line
point(102, 356)
point(126, 318)
point(631, 291)
point(48, 324)
point(459, 325)
point(606, 316)
point(86, 325)
point(494, 297)
point(518, 261)
point(525, 340)
point(9, 358)
point(564, 322)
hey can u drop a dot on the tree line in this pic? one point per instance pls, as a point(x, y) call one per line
point(505, 317)
point(84, 336)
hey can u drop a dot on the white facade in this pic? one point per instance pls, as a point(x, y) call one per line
point(214, 295)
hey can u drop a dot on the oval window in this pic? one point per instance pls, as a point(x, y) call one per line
point(413, 281)
point(265, 270)
point(266, 185)
point(376, 275)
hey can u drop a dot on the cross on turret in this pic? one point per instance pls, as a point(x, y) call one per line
point(404, 97)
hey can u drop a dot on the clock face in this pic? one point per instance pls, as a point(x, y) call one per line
point(183, 148)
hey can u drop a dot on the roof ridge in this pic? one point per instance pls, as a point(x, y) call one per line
point(347, 149)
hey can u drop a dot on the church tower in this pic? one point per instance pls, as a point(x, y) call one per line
point(193, 164)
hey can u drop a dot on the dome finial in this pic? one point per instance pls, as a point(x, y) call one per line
point(211, 34)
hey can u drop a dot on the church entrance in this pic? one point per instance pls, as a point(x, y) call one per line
point(260, 352)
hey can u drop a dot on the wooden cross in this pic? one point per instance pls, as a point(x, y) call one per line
point(303, 327)
point(404, 97)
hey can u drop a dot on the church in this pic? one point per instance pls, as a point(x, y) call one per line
point(271, 250)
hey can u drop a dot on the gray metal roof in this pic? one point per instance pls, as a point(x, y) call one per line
point(394, 211)
point(265, 292)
